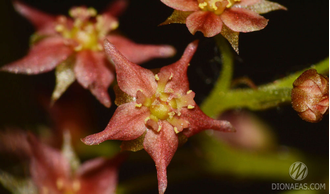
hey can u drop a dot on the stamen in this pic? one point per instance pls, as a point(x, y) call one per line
point(214, 6)
point(59, 28)
point(189, 91)
point(231, 3)
point(171, 114)
point(159, 128)
point(146, 120)
point(138, 105)
point(176, 130)
point(190, 107)
point(156, 77)
point(170, 76)
point(202, 5)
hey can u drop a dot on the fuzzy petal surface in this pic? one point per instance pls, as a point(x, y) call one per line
point(207, 22)
point(127, 123)
point(182, 5)
point(42, 57)
point(92, 72)
point(248, 21)
point(198, 121)
point(44, 23)
point(179, 82)
point(161, 146)
point(262, 6)
point(130, 76)
point(246, 2)
point(99, 175)
point(231, 36)
point(64, 78)
point(140, 53)
point(48, 167)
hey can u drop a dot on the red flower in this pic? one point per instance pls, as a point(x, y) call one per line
point(159, 110)
point(74, 47)
point(54, 172)
point(228, 17)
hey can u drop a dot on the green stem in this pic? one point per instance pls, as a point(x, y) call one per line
point(265, 96)
point(224, 80)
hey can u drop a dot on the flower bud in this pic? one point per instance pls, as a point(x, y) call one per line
point(310, 96)
point(252, 134)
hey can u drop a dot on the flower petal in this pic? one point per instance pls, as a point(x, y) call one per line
point(130, 76)
point(42, 21)
point(207, 22)
point(179, 81)
point(139, 53)
point(161, 146)
point(243, 20)
point(49, 169)
point(262, 6)
point(92, 72)
point(116, 8)
point(246, 2)
point(198, 121)
point(182, 5)
point(127, 123)
point(98, 175)
point(64, 78)
point(231, 36)
point(42, 57)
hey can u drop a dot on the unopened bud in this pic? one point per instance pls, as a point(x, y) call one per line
point(310, 96)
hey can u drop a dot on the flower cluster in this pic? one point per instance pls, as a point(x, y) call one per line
point(73, 46)
point(156, 108)
point(228, 17)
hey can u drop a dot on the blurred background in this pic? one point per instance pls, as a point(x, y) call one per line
point(293, 40)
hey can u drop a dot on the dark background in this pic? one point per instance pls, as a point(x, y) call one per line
point(293, 40)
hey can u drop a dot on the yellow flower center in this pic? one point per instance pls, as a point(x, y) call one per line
point(216, 6)
point(87, 30)
point(165, 105)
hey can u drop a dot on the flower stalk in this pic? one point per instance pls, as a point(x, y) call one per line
point(263, 97)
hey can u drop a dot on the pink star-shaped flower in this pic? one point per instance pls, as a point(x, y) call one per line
point(52, 172)
point(158, 110)
point(73, 45)
point(228, 17)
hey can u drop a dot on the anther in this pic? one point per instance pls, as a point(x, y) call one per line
point(146, 120)
point(190, 107)
point(159, 128)
point(156, 77)
point(202, 5)
point(170, 76)
point(171, 114)
point(59, 28)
